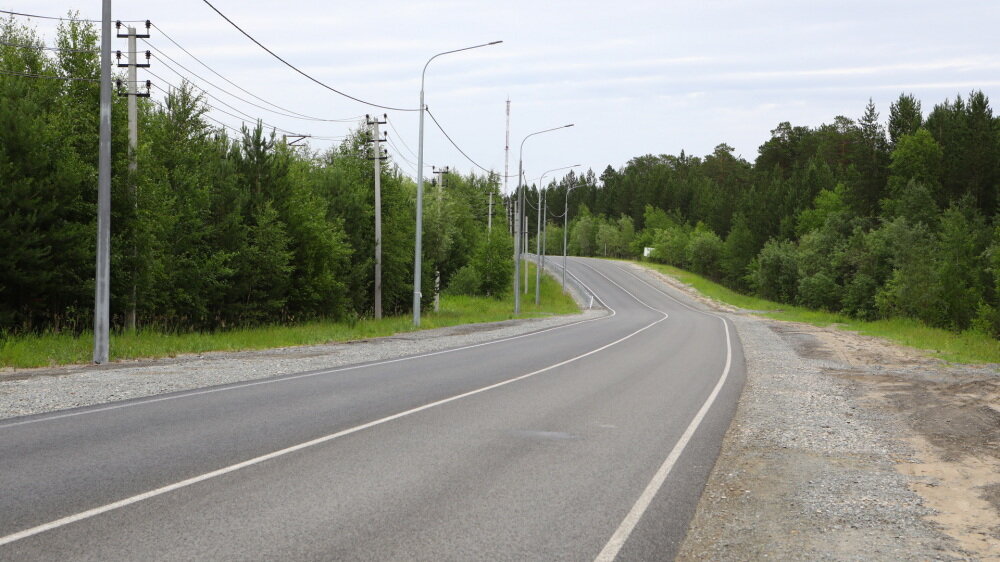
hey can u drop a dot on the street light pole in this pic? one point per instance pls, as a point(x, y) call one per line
point(539, 232)
point(418, 246)
point(517, 238)
point(565, 227)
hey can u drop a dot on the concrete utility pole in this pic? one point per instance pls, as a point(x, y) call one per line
point(102, 289)
point(132, 92)
point(565, 230)
point(378, 158)
point(538, 247)
point(527, 237)
point(440, 172)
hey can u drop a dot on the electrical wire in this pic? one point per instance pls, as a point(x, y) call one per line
point(245, 117)
point(209, 94)
point(45, 48)
point(400, 137)
point(455, 145)
point(296, 69)
point(222, 124)
point(249, 93)
point(410, 165)
point(223, 90)
point(61, 19)
point(30, 75)
point(399, 153)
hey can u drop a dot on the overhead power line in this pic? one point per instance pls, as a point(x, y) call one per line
point(221, 89)
point(296, 69)
point(30, 75)
point(440, 128)
point(244, 117)
point(244, 90)
point(47, 48)
point(59, 18)
point(400, 137)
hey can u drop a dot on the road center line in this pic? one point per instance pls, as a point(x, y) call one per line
point(257, 460)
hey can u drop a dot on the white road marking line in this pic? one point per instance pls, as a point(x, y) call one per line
point(279, 378)
point(621, 534)
point(257, 460)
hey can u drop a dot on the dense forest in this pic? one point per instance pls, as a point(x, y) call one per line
point(867, 217)
point(854, 216)
point(215, 229)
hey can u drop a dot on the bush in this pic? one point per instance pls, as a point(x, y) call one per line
point(819, 291)
point(465, 281)
point(704, 252)
point(494, 263)
point(670, 246)
point(859, 297)
point(775, 271)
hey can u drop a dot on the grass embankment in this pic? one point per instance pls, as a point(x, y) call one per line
point(964, 347)
point(65, 349)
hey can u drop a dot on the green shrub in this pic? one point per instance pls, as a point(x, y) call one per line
point(775, 271)
point(819, 291)
point(465, 281)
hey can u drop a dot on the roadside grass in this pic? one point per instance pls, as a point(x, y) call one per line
point(963, 347)
point(50, 349)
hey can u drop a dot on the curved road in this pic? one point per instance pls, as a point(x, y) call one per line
point(590, 441)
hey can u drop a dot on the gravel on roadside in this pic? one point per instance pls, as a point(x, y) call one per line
point(807, 471)
point(34, 391)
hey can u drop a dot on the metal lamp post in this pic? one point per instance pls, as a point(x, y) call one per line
point(417, 251)
point(518, 212)
point(539, 232)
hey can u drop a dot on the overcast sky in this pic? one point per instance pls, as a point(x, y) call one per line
point(636, 77)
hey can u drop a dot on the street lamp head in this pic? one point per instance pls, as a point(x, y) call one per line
point(495, 42)
point(570, 125)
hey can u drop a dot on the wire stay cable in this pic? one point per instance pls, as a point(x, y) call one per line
point(303, 73)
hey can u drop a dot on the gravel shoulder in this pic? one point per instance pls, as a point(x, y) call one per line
point(35, 391)
point(847, 447)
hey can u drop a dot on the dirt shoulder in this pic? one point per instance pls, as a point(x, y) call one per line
point(848, 447)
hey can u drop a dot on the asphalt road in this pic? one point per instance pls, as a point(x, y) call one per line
point(583, 442)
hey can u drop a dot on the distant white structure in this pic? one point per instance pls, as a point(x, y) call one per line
point(647, 251)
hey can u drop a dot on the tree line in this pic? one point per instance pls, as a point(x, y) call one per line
point(869, 219)
point(215, 229)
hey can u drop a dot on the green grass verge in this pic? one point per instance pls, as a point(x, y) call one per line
point(64, 349)
point(964, 347)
